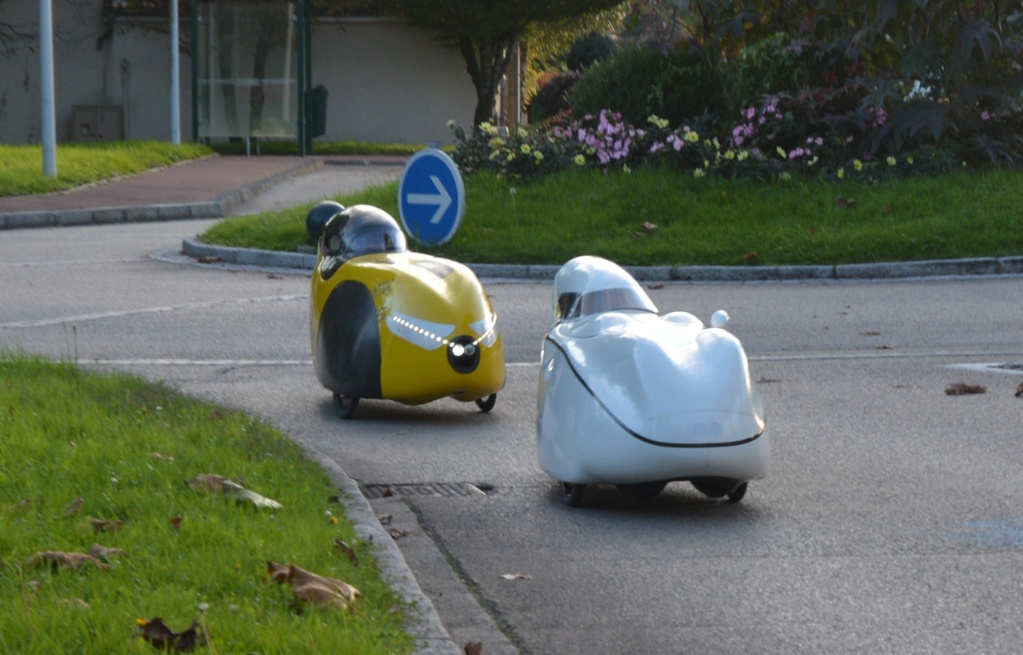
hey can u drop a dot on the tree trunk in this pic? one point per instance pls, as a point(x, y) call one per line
point(486, 59)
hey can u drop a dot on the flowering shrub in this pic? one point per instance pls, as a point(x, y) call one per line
point(773, 141)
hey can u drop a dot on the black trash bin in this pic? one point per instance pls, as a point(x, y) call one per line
point(316, 112)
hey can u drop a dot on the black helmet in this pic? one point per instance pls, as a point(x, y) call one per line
point(361, 230)
point(318, 217)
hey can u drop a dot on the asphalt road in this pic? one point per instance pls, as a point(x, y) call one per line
point(891, 521)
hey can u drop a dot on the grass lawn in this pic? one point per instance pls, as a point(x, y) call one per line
point(102, 459)
point(666, 218)
point(21, 167)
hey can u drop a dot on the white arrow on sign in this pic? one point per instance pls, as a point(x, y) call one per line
point(442, 199)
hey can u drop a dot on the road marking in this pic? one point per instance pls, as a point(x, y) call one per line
point(81, 318)
point(996, 533)
point(884, 355)
point(196, 362)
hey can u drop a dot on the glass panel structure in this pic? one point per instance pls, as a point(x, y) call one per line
point(247, 69)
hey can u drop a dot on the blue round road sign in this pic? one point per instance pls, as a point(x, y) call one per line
point(431, 197)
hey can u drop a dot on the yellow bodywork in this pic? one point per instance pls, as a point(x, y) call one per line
point(422, 303)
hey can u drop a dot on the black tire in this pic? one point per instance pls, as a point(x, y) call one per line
point(642, 490)
point(486, 403)
point(713, 488)
point(737, 494)
point(345, 406)
point(572, 494)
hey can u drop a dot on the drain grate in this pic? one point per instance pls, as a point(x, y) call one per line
point(426, 489)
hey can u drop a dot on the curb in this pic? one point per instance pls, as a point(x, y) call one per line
point(979, 266)
point(425, 624)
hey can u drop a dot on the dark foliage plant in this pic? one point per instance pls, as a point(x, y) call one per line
point(879, 89)
point(589, 49)
point(638, 82)
point(551, 98)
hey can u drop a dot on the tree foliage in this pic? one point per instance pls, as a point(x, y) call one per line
point(486, 32)
point(942, 69)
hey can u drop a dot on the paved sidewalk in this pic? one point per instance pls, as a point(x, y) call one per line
point(206, 188)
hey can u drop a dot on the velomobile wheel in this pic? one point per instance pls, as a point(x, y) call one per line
point(713, 488)
point(345, 406)
point(572, 494)
point(486, 403)
point(642, 490)
point(736, 494)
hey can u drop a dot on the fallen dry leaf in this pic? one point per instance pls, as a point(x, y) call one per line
point(396, 533)
point(156, 632)
point(963, 389)
point(385, 519)
point(320, 595)
point(74, 508)
point(105, 554)
point(1019, 390)
point(313, 589)
point(750, 258)
point(161, 457)
point(175, 522)
point(106, 525)
point(649, 227)
point(870, 333)
point(844, 203)
point(348, 551)
point(76, 603)
point(474, 648)
point(211, 482)
point(655, 286)
point(277, 572)
point(57, 559)
point(516, 576)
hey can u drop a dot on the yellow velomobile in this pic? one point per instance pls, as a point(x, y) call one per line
point(388, 323)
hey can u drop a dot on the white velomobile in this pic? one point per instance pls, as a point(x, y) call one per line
point(631, 398)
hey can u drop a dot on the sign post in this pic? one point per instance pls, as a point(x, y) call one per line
point(431, 197)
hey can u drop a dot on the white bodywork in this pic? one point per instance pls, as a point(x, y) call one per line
point(629, 396)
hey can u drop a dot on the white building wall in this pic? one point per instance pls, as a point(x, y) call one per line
point(386, 81)
point(389, 82)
